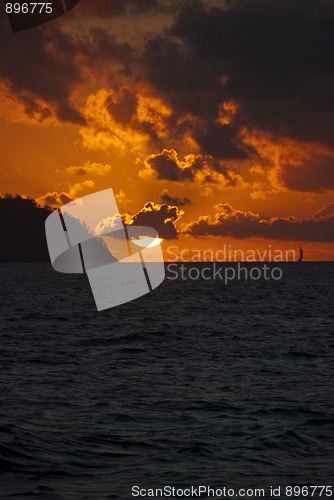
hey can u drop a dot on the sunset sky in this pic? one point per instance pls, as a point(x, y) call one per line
point(212, 120)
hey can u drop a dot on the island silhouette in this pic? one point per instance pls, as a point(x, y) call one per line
point(22, 223)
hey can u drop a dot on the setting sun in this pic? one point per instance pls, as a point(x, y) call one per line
point(147, 241)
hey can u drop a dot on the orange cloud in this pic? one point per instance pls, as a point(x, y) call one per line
point(124, 120)
point(257, 169)
point(325, 211)
point(285, 160)
point(104, 132)
point(155, 112)
point(14, 110)
point(57, 199)
point(258, 193)
point(89, 169)
point(227, 110)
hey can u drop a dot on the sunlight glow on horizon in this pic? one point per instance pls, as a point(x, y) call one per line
point(144, 241)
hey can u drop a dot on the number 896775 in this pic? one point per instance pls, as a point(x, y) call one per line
point(29, 8)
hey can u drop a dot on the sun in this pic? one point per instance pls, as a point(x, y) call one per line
point(147, 241)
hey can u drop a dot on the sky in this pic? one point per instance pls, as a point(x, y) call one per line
point(212, 120)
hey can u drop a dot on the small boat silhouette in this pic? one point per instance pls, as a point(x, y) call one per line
point(301, 254)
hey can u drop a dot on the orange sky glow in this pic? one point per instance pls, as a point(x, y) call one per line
point(188, 140)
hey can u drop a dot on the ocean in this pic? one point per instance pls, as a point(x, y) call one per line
point(200, 383)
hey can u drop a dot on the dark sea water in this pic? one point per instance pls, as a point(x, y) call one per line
point(198, 383)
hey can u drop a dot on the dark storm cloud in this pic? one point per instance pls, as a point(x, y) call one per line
point(111, 8)
point(98, 48)
point(191, 84)
point(123, 107)
point(273, 58)
point(314, 175)
point(325, 211)
point(33, 72)
point(167, 166)
point(46, 64)
point(160, 217)
point(174, 200)
point(277, 57)
point(242, 225)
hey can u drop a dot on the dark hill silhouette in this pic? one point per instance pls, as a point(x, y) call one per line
point(22, 230)
point(23, 239)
